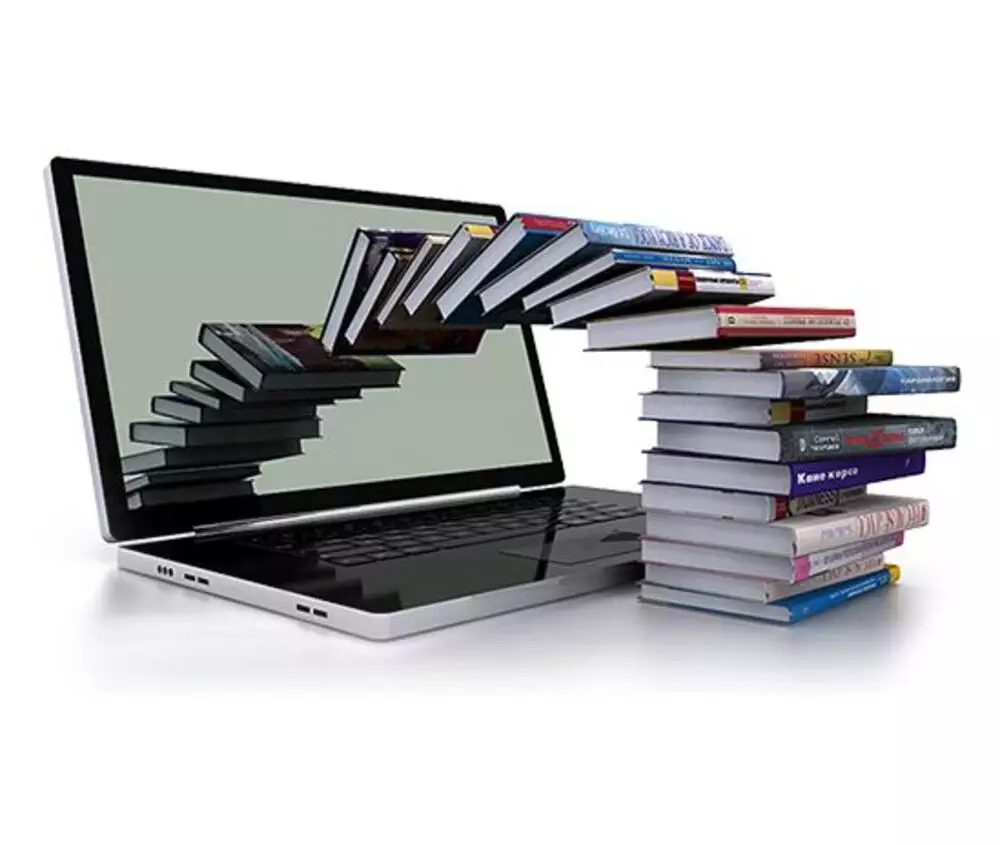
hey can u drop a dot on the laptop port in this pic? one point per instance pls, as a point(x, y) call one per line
point(301, 608)
point(322, 613)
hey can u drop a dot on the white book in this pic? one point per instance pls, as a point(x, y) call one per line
point(740, 410)
point(425, 254)
point(863, 519)
point(466, 243)
point(769, 359)
point(730, 504)
point(753, 589)
point(388, 267)
point(757, 565)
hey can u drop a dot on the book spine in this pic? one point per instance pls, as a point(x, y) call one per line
point(830, 441)
point(675, 259)
point(869, 381)
point(790, 359)
point(809, 604)
point(819, 476)
point(853, 528)
point(545, 223)
point(805, 566)
point(652, 237)
point(778, 590)
point(737, 321)
point(787, 506)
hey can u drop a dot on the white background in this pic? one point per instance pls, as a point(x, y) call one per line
point(848, 149)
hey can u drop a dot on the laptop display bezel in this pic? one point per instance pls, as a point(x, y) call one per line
point(118, 523)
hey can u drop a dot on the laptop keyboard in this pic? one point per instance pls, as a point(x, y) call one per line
point(402, 535)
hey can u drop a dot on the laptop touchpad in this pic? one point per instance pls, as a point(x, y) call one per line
point(569, 549)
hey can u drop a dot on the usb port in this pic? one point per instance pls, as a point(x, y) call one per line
point(203, 581)
point(322, 613)
point(188, 577)
point(301, 608)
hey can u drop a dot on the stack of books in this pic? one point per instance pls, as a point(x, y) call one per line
point(254, 401)
point(757, 493)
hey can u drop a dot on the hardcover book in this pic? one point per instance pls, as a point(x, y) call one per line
point(770, 359)
point(655, 289)
point(188, 493)
point(220, 379)
point(391, 307)
point(800, 478)
point(831, 528)
point(584, 242)
point(175, 477)
point(865, 435)
point(176, 408)
point(813, 383)
point(749, 507)
point(387, 274)
point(788, 610)
point(289, 356)
point(204, 456)
point(467, 241)
point(720, 326)
point(740, 410)
point(192, 434)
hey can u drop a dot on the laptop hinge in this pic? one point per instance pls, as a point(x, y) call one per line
point(242, 526)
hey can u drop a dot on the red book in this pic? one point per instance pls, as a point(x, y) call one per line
point(720, 327)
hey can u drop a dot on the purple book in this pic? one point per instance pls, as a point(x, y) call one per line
point(820, 476)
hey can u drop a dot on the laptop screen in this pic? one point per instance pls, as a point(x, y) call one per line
point(174, 268)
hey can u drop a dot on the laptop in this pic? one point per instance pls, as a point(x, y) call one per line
point(381, 507)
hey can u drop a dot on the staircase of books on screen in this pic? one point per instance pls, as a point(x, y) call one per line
point(757, 492)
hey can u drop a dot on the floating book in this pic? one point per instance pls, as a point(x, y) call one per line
point(648, 289)
point(813, 383)
point(770, 359)
point(754, 589)
point(740, 410)
point(188, 493)
point(202, 456)
point(719, 326)
point(220, 379)
point(852, 522)
point(466, 243)
point(517, 239)
point(786, 610)
point(866, 435)
point(197, 475)
point(289, 357)
point(796, 479)
point(177, 408)
point(584, 242)
point(192, 434)
point(616, 263)
point(388, 273)
point(756, 565)
point(362, 259)
point(391, 308)
point(749, 507)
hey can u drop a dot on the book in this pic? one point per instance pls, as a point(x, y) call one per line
point(756, 565)
point(584, 242)
point(800, 478)
point(202, 456)
point(788, 610)
point(174, 477)
point(188, 493)
point(769, 359)
point(177, 408)
point(387, 275)
point(192, 434)
point(741, 410)
point(852, 522)
point(747, 588)
point(748, 507)
point(865, 435)
point(653, 289)
point(812, 383)
point(279, 356)
point(518, 238)
point(616, 263)
point(720, 326)
point(363, 257)
point(392, 307)
point(466, 242)
point(201, 394)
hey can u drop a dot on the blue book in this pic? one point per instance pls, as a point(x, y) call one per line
point(587, 240)
point(788, 610)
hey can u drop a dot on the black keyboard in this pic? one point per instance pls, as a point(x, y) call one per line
point(353, 543)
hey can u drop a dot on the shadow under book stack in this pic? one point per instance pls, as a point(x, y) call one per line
point(249, 404)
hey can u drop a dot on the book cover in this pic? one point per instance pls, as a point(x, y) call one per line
point(778, 590)
point(220, 379)
point(652, 237)
point(174, 477)
point(870, 434)
point(809, 604)
point(869, 381)
point(279, 355)
point(183, 493)
point(737, 321)
point(202, 456)
point(193, 434)
point(176, 408)
point(789, 506)
point(863, 519)
point(771, 359)
point(808, 565)
point(809, 477)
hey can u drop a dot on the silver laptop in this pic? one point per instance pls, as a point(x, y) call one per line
point(426, 493)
